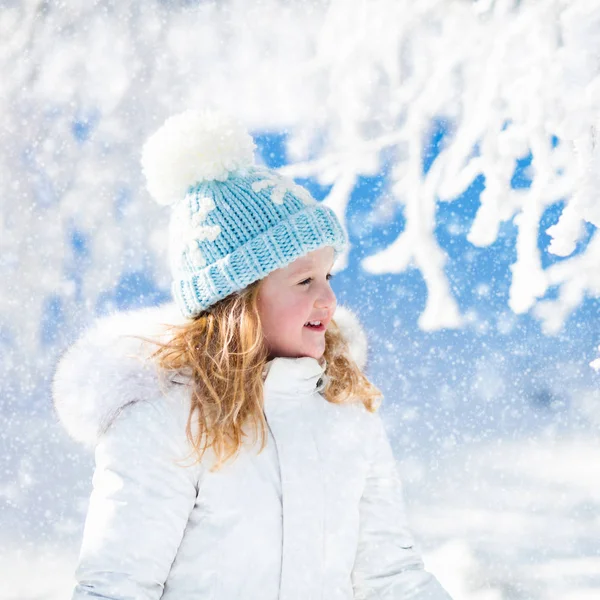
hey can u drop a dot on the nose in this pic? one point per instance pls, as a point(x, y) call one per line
point(326, 299)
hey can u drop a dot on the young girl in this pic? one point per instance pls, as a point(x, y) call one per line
point(238, 449)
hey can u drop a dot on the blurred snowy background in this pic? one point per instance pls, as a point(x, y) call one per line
point(458, 140)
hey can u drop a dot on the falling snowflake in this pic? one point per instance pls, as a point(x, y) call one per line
point(282, 185)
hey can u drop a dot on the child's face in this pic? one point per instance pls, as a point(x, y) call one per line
point(293, 295)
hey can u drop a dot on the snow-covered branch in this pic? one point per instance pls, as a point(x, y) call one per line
point(512, 79)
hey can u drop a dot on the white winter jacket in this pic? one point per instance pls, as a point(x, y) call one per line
point(318, 514)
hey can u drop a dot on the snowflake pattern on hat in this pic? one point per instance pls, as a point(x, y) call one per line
point(200, 231)
point(197, 231)
point(281, 185)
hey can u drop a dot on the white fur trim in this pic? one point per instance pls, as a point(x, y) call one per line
point(105, 371)
point(354, 333)
point(191, 147)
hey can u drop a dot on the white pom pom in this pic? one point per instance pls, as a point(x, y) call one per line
point(191, 147)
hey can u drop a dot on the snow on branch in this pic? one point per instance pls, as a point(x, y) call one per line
point(512, 79)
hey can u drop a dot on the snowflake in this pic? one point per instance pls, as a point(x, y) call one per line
point(280, 186)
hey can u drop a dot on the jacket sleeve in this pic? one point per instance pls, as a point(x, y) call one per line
point(387, 565)
point(139, 505)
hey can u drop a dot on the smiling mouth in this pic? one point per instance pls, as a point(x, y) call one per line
point(320, 327)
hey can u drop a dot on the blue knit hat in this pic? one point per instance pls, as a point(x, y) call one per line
point(232, 222)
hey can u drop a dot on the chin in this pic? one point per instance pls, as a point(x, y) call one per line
point(315, 353)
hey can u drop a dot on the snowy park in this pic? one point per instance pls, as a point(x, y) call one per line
point(458, 141)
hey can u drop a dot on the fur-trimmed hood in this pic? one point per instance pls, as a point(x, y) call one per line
point(105, 370)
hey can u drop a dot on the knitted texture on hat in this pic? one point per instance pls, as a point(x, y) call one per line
point(232, 222)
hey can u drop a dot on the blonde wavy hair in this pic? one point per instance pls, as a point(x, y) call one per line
point(224, 353)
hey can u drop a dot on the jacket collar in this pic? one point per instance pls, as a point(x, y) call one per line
point(106, 368)
point(293, 376)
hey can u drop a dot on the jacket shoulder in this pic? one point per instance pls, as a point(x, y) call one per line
point(109, 368)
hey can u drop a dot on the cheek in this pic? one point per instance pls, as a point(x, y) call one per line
point(288, 317)
point(274, 313)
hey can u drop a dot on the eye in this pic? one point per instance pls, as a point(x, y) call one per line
point(306, 281)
